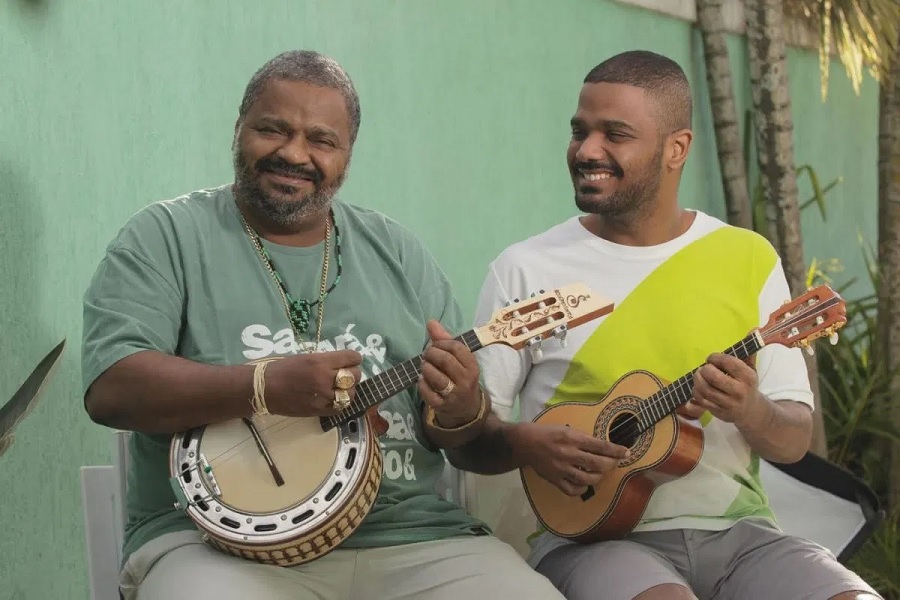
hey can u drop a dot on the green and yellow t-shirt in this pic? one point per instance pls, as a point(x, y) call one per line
point(675, 304)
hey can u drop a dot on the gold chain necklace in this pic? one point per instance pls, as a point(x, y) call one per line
point(292, 311)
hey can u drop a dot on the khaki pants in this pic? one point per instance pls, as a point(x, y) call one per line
point(180, 566)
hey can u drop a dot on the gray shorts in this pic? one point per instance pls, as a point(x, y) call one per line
point(751, 560)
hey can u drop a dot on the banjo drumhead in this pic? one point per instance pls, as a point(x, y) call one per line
point(302, 452)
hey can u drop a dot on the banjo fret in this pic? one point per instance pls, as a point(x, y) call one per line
point(379, 388)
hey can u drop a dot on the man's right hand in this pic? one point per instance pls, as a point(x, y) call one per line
point(569, 459)
point(303, 385)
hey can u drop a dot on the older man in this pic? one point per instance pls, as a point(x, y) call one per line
point(192, 289)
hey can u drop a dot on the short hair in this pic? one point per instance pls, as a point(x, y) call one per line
point(660, 76)
point(309, 67)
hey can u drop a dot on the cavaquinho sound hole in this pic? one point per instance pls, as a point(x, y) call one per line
point(619, 425)
point(624, 429)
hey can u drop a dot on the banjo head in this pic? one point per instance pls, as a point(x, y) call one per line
point(223, 481)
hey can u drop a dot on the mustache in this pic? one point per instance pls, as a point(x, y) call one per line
point(280, 166)
point(613, 168)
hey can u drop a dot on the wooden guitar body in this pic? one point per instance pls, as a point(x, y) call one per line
point(669, 450)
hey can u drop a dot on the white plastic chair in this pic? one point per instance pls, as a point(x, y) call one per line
point(102, 498)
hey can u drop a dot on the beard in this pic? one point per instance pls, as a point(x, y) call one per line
point(630, 199)
point(281, 211)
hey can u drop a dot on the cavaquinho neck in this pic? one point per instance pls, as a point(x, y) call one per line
point(664, 402)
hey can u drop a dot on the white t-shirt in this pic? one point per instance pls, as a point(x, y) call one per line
point(675, 303)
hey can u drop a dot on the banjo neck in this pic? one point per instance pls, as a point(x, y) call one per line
point(374, 390)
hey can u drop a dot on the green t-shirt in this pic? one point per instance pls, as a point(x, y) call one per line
point(182, 278)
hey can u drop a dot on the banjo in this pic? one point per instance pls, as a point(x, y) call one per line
point(287, 490)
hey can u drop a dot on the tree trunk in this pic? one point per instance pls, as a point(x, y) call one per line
point(889, 252)
point(721, 96)
point(775, 154)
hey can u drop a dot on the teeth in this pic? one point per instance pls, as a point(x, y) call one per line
point(596, 176)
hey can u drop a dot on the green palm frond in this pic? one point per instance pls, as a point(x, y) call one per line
point(877, 561)
point(856, 391)
point(864, 33)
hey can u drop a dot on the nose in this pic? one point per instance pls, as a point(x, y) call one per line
point(591, 149)
point(295, 150)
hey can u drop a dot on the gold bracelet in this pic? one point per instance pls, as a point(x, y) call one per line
point(431, 418)
point(258, 402)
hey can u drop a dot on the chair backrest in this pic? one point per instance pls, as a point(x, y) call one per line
point(500, 501)
point(813, 499)
point(820, 501)
point(102, 497)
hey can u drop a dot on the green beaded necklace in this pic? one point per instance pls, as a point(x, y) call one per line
point(300, 310)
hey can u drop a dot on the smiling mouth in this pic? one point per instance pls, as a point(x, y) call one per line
point(595, 175)
point(286, 179)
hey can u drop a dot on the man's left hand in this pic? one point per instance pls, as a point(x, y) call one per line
point(726, 386)
point(449, 383)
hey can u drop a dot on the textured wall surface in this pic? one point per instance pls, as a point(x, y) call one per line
point(108, 106)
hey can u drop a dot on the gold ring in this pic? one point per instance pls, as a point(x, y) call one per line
point(450, 387)
point(341, 400)
point(344, 379)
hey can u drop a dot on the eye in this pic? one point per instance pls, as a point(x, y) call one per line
point(323, 141)
point(577, 133)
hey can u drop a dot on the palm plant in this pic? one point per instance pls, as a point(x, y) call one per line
point(861, 375)
point(711, 21)
point(24, 399)
point(856, 404)
point(863, 33)
point(866, 35)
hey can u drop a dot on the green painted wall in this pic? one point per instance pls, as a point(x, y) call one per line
point(107, 106)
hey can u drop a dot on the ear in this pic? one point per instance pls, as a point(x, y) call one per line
point(678, 144)
point(237, 133)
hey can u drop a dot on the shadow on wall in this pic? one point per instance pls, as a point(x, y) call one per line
point(33, 9)
point(23, 332)
point(34, 5)
point(24, 339)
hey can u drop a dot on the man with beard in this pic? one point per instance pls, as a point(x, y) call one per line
point(196, 295)
point(686, 287)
